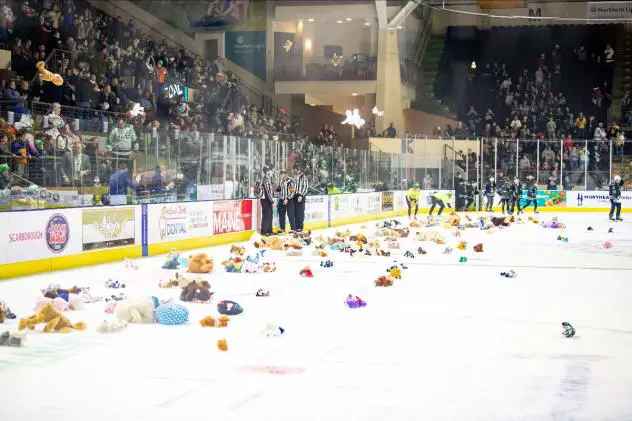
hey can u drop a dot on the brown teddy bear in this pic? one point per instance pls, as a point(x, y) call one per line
point(237, 251)
point(178, 281)
point(210, 321)
point(196, 292)
point(200, 263)
point(453, 220)
point(53, 319)
point(292, 243)
point(273, 242)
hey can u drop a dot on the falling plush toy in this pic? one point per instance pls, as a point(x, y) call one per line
point(462, 245)
point(229, 308)
point(327, 264)
point(478, 248)
point(114, 284)
point(197, 292)
point(306, 272)
point(611, 231)
point(420, 250)
point(174, 260)
point(607, 245)
point(210, 321)
point(568, 330)
point(409, 254)
point(384, 281)
point(13, 339)
point(237, 251)
point(268, 267)
point(509, 274)
point(222, 345)
point(589, 229)
point(107, 326)
point(129, 264)
point(53, 320)
point(321, 253)
point(273, 331)
point(262, 293)
point(5, 312)
point(395, 272)
point(233, 265)
point(447, 250)
point(354, 302)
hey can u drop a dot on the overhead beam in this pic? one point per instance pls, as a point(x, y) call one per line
point(402, 14)
point(380, 8)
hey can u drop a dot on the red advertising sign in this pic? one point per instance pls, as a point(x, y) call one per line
point(232, 216)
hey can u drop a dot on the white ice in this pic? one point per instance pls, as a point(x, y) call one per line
point(450, 341)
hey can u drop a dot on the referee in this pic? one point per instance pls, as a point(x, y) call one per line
point(286, 202)
point(299, 198)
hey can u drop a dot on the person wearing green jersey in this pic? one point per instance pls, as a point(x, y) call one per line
point(412, 199)
point(441, 199)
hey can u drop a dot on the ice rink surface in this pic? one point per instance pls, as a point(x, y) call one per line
point(450, 341)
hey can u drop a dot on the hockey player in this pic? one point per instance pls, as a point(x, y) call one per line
point(615, 197)
point(412, 199)
point(506, 194)
point(441, 199)
point(472, 192)
point(532, 194)
point(517, 196)
point(461, 196)
point(490, 192)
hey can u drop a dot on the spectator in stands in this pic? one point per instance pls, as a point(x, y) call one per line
point(5, 177)
point(600, 133)
point(122, 141)
point(580, 124)
point(391, 131)
point(76, 168)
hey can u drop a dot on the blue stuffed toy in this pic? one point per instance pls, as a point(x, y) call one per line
point(172, 314)
point(229, 308)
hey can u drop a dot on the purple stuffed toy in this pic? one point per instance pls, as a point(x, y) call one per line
point(355, 302)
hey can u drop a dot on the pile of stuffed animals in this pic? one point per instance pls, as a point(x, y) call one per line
point(50, 308)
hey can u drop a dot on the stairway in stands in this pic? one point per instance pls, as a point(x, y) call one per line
point(430, 65)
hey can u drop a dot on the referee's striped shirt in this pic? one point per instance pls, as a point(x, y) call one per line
point(267, 189)
point(301, 185)
point(286, 187)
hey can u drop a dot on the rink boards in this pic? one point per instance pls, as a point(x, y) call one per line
point(53, 239)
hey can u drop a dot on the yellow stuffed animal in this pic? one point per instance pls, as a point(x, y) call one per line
point(237, 251)
point(53, 319)
point(453, 220)
point(200, 263)
point(462, 245)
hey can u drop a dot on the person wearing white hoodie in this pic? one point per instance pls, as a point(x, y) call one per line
point(600, 133)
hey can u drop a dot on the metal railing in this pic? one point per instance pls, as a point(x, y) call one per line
point(328, 69)
point(184, 166)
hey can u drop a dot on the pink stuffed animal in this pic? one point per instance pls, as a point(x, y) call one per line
point(58, 302)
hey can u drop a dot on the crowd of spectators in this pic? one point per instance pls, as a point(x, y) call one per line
point(108, 66)
point(549, 92)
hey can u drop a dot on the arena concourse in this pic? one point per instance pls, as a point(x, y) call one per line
point(369, 210)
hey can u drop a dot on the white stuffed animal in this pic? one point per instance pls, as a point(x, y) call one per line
point(135, 311)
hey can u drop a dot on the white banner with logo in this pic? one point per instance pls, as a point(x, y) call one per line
point(42, 234)
point(179, 221)
point(316, 208)
point(373, 202)
point(347, 205)
point(108, 227)
point(595, 199)
point(608, 10)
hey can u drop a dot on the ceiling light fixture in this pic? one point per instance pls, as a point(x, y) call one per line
point(338, 21)
point(310, 20)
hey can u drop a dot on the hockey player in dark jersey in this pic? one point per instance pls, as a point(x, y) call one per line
point(506, 195)
point(490, 192)
point(614, 192)
point(532, 194)
point(517, 197)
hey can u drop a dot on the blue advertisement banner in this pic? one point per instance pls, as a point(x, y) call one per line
point(144, 229)
point(248, 50)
